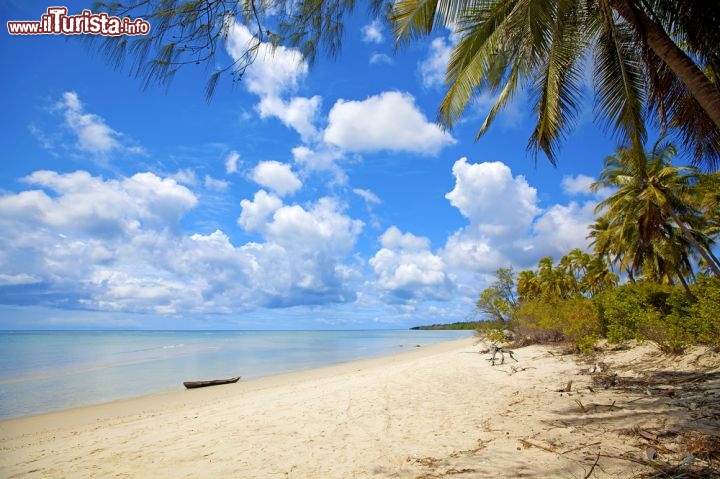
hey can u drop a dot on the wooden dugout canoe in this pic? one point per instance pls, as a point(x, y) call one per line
point(213, 382)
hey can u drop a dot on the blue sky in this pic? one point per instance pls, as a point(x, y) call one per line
point(320, 196)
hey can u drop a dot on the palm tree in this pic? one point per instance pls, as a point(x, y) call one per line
point(505, 44)
point(598, 277)
point(528, 285)
point(649, 223)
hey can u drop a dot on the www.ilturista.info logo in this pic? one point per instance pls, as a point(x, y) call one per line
point(57, 22)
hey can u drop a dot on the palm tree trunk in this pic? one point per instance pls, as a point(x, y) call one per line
point(690, 296)
point(701, 88)
point(689, 236)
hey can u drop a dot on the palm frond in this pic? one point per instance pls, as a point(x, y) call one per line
point(619, 79)
point(557, 86)
point(481, 58)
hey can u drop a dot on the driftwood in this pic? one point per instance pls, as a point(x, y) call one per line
point(501, 351)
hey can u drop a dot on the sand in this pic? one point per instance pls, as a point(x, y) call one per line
point(436, 411)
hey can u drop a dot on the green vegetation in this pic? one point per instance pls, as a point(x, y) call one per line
point(462, 325)
point(658, 228)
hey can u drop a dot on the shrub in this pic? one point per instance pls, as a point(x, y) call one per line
point(628, 310)
point(704, 314)
point(493, 330)
point(662, 314)
point(545, 321)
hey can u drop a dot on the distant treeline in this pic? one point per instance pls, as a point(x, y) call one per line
point(459, 325)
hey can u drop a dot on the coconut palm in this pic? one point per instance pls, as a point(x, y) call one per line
point(598, 277)
point(506, 44)
point(528, 285)
point(649, 219)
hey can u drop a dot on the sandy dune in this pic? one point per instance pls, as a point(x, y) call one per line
point(438, 411)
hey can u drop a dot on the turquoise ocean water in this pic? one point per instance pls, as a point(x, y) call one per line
point(43, 371)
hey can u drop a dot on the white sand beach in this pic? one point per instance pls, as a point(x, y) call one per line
point(436, 411)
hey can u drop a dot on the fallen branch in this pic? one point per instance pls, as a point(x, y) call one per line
point(597, 459)
point(499, 349)
point(527, 443)
point(581, 447)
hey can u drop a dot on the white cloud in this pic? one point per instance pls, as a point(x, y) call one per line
point(78, 241)
point(373, 32)
point(274, 74)
point(93, 134)
point(322, 228)
point(469, 252)
point(407, 270)
point(432, 69)
point(506, 225)
point(380, 58)
point(389, 121)
point(214, 184)
point(83, 203)
point(496, 203)
point(577, 185)
point(274, 71)
point(314, 160)
point(185, 176)
point(299, 113)
point(564, 227)
point(301, 260)
point(276, 176)
point(393, 238)
point(324, 159)
point(231, 162)
point(18, 279)
point(367, 195)
point(255, 213)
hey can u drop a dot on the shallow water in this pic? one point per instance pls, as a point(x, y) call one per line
point(42, 371)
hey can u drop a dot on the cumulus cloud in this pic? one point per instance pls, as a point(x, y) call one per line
point(255, 213)
point(373, 32)
point(564, 227)
point(577, 185)
point(276, 176)
point(299, 113)
point(86, 204)
point(388, 121)
point(303, 252)
point(407, 270)
point(506, 225)
point(274, 71)
point(432, 69)
point(496, 203)
point(79, 241)
point(273, 75)
point(322, 159)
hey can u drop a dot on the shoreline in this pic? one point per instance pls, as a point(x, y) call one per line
point(129, 364)
point(430, 412)
point(105, 410)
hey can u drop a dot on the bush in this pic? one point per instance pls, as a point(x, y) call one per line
point(662, 314)
point(628, 310)
point(493, 330)
point(704, 314)
point(575, 320)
